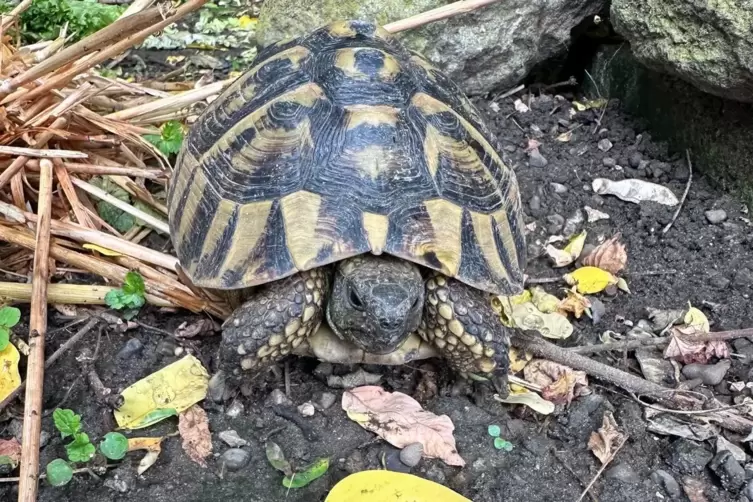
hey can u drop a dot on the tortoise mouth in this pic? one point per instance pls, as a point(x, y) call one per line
point(393, 340)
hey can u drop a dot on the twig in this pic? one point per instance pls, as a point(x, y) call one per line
point(510, 92)
point(437, 14)
point(684, 194)
point(41, 152)
point(662, 341)
point(73, 294)
point(603, 466)
point(284, 412)
point(32, 426)
point(571, 471)
point(686, 412)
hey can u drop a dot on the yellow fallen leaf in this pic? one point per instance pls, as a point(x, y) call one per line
point(390, 486)
point(697, 319)
point(622, 284)
point(101, 250)
point(545, 302)
point(579, 106)
point(246, 21)
point(521, 395)
point(9, 376)
point(167, 392)
point(571, 252)
point(589, 280)
point(145, 443)
point(518, 359)
point(173, 60)
point(565, 137)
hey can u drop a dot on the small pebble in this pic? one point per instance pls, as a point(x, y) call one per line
point(411, 454)
point(511, 148)
point(710, 374)
point(743, 278)
point(131, 348)
point(235, 410)
point(558, 188)
point(729, 470)
point(535, 203)
point(232, 439)
point(307, 409)
point(716, 216)
point(166, 347)
point(634, 160)
point(604, 145)
point(718, 281)
point(556, 222)
point(666, 481)
point(116, 485)
point(327, 400)
point(235, 459)
point(278, 398)
point(392, 462)
point(217, 387)
point(688, 457)
point(609, 162)
point(324, 370)
point(623, 472)
point(535, 159)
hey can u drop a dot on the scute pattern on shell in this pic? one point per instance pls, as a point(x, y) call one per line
point(336, 144)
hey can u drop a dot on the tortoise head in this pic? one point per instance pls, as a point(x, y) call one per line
point(376, 302)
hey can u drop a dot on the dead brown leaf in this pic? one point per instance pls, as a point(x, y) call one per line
point(574, 302)
point(683, 348)
point(604, 442)
point(610, 255)
point(399, 419)
point(561, 384)
point(694, 489)
point(10, 452)
point(193, 426)
point(200, 327)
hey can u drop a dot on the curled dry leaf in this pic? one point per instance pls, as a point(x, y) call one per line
point(399, 419)
point(10, 452)
point(604, 441)
point(521, 395)
point(635, 190)
point(574, 302)
point(571, 252)
point(153, 447)
point(193, 425)
point(684, 345)
point(560, 383)
point(203, 326)
point(610, 255)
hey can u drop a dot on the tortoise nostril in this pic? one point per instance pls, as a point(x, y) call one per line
point(387, 323)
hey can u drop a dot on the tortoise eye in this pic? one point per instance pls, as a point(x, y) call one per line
point(355, 301)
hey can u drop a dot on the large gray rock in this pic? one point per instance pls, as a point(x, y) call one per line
point(709, 44)
point(491, 48)
point(719, 132)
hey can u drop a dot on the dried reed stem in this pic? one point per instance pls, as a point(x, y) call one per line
point(32, 425)
point(73, 294)
point(437, 14)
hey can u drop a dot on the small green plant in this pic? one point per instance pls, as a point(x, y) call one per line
point(129, 298)
point(170, 139)
point(80, 451)
point(499, 443)
point(44, 18)
point(9, 317)
point(295, 478)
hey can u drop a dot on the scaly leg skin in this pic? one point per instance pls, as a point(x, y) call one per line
point(275, 319)
point(460, 322)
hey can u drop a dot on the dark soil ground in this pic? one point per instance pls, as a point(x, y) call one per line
point(698, 262)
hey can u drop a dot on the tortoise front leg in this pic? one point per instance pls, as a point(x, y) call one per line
point(460, 322)
point(274, 320)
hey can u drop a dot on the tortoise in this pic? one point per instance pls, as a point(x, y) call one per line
point(345, 178)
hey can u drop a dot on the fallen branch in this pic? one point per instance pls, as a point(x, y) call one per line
point(54, 357)
point(660, 342)
point(684, 195)
point(32, 425)
point(727, 418)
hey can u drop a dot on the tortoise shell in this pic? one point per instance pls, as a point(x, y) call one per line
point(338, 143)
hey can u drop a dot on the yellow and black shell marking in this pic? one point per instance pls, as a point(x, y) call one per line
point(340, 143)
